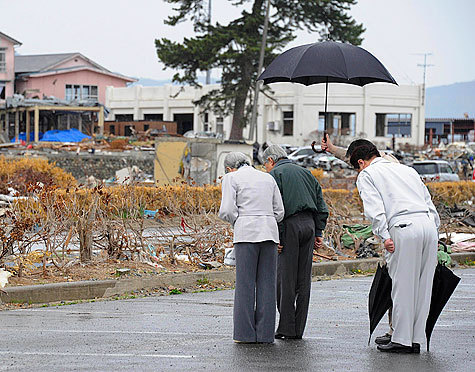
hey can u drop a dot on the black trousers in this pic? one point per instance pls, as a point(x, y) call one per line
point(294, 274)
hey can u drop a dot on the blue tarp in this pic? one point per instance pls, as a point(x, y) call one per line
point(22, 136)
point(70, 135)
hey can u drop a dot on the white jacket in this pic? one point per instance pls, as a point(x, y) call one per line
point(391, 190)
point(252, 203)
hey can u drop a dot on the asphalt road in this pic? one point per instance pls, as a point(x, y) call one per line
point(194, 332)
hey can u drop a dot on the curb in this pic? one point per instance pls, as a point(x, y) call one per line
point(92, 289)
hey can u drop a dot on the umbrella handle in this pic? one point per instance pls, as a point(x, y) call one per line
point(325, 134)
point(314, 150)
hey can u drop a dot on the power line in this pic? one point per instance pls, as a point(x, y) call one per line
point(424, 65)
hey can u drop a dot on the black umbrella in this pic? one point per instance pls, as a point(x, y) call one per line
point(326, 62)
point(379, 297)
point(445, 282)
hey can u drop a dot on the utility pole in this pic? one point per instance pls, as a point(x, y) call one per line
point(253, 126)
point(424, 65)
point(208, 73)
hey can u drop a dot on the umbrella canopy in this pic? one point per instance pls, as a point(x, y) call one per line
point(379, 297)
point(326, 62)
point(445, 282)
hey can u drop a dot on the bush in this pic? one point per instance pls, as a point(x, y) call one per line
point(22, 173)
point(318, 174)
point(451, 193)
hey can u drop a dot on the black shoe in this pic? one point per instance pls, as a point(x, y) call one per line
point(280, 336)
point(384, 339)
point(416, 348)
point(393, 347)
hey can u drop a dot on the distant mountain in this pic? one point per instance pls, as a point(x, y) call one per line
point(451, 101)
point(146, 82)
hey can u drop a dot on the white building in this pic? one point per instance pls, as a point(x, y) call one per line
point(293, 116)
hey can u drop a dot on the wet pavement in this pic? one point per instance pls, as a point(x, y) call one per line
point(194, 332)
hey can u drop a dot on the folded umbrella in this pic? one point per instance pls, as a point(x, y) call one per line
point(379, 297)
point(445, 282)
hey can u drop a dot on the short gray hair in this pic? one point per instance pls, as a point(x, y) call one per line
point(275, 152)
point(235, 160)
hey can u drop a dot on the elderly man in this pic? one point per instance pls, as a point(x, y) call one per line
point(251, 202)
point(401, 211)
point(304, 220)
point(345, 155)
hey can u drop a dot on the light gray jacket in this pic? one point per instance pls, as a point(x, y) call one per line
point(252, 203)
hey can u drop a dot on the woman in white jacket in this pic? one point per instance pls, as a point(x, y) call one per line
point(252, 203)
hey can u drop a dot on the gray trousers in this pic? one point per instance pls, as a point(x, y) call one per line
point(294, 274)
point(254, 296)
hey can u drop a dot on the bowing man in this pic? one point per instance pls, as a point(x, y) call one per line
point(401, 211)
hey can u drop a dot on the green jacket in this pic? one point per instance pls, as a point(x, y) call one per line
point(300, 192)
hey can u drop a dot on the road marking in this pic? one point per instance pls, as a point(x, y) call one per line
point(170, 356)
point(116, 331)
point(142, 332)
point(109, 314)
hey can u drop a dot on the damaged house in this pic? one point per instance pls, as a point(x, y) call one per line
point(59, 82)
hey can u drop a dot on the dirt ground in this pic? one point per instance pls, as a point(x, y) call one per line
point(111, 269)
point(97, 270)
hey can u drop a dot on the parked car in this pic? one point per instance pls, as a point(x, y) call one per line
point(312, 160)
point(299, 155)
point(329, 162)
point(435, 170)
point(289, 149)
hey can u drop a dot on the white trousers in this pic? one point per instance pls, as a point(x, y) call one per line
point(412, 267)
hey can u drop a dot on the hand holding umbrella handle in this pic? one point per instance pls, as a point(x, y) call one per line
point(325, 134)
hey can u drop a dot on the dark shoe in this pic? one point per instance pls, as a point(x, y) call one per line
point(384, 339)
point(416, 348)
point(244, 342)
point(393, 347)
point(280, 336)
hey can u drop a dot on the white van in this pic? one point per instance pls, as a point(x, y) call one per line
point(435, 171)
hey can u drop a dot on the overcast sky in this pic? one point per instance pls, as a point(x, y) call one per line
point(120, 34)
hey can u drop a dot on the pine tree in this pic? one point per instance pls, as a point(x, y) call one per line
point(234, 48)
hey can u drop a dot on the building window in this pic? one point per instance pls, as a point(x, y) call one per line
point(288, 123)
point(3, 60)
point(206, 126)
point(129, 130)
point(393, 125)
point(153, 117)
point(111, 129)
point(2, 91)
point(338, 123)
point(81, 92)
point(399, 125)
point(146, 127)
point(124, 117)
point(220, 125)
point(380, 124)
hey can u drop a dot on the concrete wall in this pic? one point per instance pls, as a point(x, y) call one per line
point(306, 103)
point(102, 166)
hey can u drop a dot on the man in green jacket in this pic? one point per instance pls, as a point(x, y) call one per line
point(301, 230)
